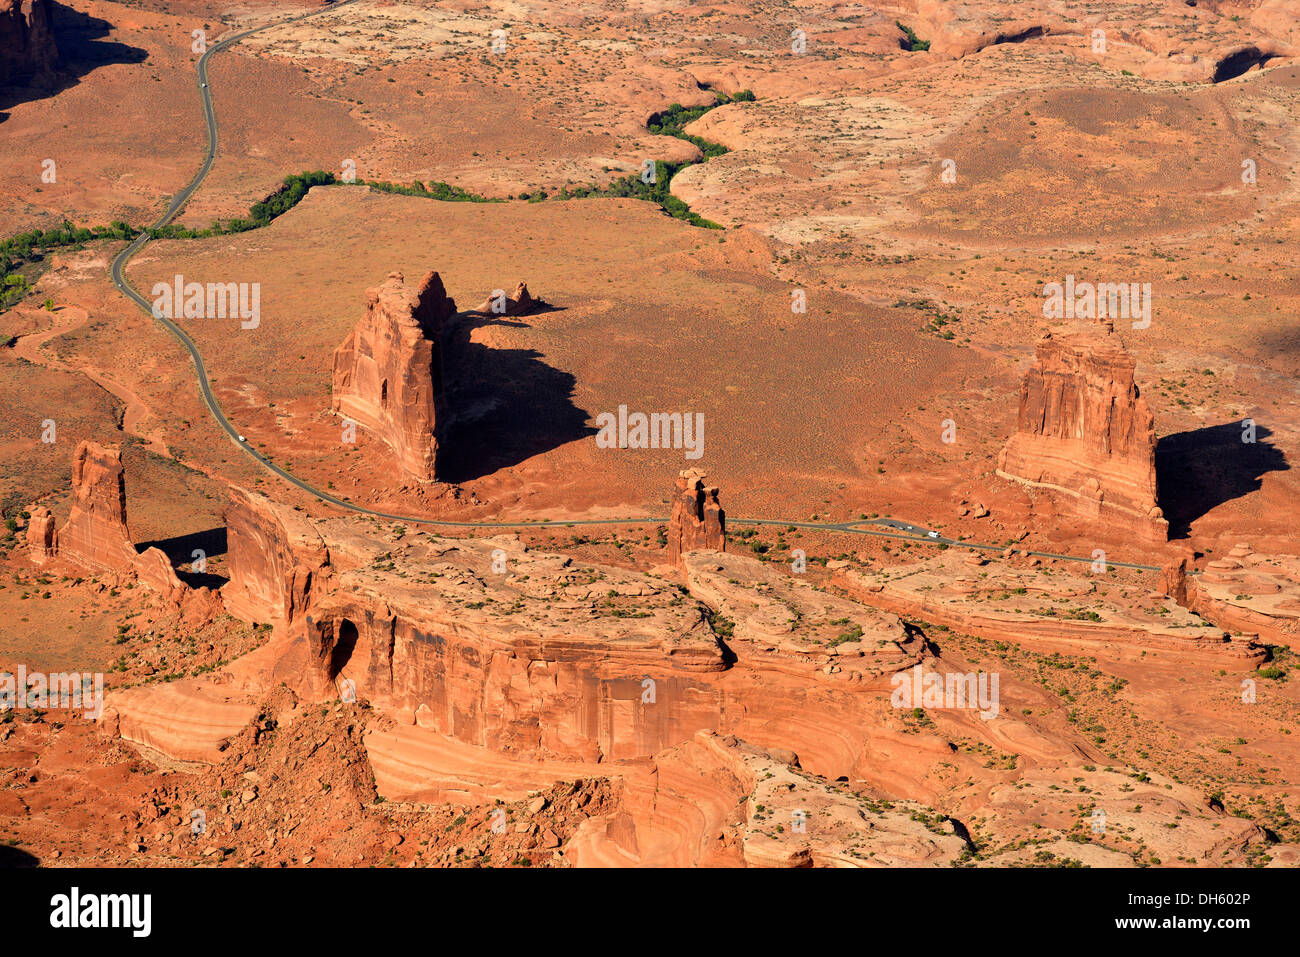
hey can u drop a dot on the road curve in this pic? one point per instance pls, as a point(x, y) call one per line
point(900, 530)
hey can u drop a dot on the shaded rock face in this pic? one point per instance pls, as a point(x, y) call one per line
point(698, 521)
point(1085, 434)
point(275, 558)
point(27, 51)
point(95, 535)
point(42, 538)
point(388, 375)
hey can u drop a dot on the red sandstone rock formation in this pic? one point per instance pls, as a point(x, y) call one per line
point(1243, 592)
point(698, 521)
point(413, 624)
point(27, 51)
point(1007, 604)
point(95, 535)
point(275, 559)
point(42, 538)
point(717, 801)
point(518, 304)
point(388, 372)
point(1085, 435)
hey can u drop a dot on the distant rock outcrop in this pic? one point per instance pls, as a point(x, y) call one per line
point(1245, 592)
point(42, 537)
point(27, 51)
point(388, 372)
point(698, 521)
point(519, 304)
point(1085, 435)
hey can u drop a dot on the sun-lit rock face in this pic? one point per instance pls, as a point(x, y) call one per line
point(42, 536)
point(500, 646)
point(388, 375)
point(519, 303)
point(95, 535)
point(1084, 434)
point(27, 50)
point(717, 801)
point(275, 557)
point(698, 521)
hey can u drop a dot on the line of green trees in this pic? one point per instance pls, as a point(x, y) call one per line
point(669, 122)
point(31, 246)
point(672, 121)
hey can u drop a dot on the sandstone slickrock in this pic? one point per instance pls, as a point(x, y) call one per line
point(42, 537)
point(519, 303)
point(1031, 605)
point(1085, 436)
point(388, 373)
point(717, 800)
point(698, 521)
point(27, 50)
point(1243, 592)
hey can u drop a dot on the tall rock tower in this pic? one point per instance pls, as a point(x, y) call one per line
point(698, 521)
point(1085, 436)
point(388, 375)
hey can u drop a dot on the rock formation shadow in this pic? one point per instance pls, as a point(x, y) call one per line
point(1200, 469)
point(82, 49)
point(180, 551)
point(14, 857)
point(506, 405)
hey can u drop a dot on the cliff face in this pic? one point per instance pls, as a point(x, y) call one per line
point(275, 559)
point(1084, 433)
point(27, 51)
point(388, 372)
point(499, 646)
point(698, 521)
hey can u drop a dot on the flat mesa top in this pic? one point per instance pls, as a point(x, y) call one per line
point(520, 593)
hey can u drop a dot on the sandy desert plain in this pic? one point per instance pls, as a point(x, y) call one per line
point(973, 541)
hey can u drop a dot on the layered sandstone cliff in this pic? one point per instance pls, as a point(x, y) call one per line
point(1244, 592)
point(275, 557)
point(1084, 434)
point(388, 375)
point(498, 646)
point(698, 521)
point(1028, 604)
point(718, 801)
point(27, 51)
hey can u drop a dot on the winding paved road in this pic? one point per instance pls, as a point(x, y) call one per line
point(884, 527)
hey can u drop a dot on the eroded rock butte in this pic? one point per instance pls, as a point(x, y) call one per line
point(388, 373)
